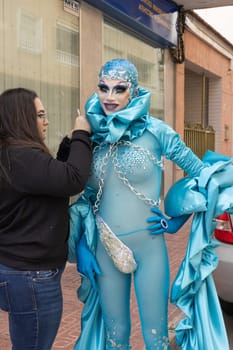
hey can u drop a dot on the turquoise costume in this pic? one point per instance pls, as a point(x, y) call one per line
point(129, 146)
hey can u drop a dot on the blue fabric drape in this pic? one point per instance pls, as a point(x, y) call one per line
point(193, 290)
point(82, 220)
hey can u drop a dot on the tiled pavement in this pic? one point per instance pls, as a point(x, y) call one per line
point(70, 325)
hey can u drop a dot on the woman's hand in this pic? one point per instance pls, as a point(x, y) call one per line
point(81, 123)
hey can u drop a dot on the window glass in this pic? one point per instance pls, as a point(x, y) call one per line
point(39, 50)
point(147, 59)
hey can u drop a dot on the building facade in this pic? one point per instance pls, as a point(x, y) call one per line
point(204, 88)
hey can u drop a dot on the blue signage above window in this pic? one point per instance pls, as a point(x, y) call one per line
point(155, 19)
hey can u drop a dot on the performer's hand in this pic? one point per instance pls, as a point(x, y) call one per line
point(86, 261)
point(163, 224)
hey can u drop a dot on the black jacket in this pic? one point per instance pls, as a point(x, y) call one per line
point(34, 220)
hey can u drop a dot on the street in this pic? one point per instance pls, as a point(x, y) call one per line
point(70, 325)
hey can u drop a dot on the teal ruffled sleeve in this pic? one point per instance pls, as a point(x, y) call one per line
point(188, 198)
point(193, 290)
point(82, 221)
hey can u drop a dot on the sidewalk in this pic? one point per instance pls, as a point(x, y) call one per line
point(70, 326)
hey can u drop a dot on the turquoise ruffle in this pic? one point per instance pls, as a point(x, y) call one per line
point(110, 128)
point(193, 290)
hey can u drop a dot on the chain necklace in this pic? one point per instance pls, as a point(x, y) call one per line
point(113, 152)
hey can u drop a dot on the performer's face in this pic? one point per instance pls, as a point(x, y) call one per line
point(114, 95)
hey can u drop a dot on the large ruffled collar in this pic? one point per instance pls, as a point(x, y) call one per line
point(128, 123)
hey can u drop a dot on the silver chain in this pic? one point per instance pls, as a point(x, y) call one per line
point(113, 152)
point(103, 170)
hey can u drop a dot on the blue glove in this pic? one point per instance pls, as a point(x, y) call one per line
point(162, 224)
point(86, 262)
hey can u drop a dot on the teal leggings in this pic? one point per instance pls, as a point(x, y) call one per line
point(151, 282)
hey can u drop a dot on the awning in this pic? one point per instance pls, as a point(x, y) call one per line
point(202, 4)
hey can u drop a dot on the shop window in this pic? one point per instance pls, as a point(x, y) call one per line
point(40, 52)
point(29, 32)
point(147, 59)
point(66, 45)
point(146, 70)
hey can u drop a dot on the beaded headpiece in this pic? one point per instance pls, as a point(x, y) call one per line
point(120, 68)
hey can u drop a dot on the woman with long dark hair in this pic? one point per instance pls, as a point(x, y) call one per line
point(34, 199)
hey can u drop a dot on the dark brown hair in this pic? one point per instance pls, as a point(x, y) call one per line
point(18, 119)
point(18, 125)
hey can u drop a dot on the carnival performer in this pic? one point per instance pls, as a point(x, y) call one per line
point(113, 219)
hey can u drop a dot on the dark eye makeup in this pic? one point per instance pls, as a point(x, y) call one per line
point(120, 88)
point(103, 87)
point(117, 89)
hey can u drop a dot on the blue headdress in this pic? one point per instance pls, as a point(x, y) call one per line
point(120, 68)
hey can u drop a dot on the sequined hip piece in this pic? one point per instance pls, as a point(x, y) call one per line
point(121, 255)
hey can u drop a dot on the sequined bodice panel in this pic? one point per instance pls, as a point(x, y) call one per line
point(128, 160)
point(133, 162)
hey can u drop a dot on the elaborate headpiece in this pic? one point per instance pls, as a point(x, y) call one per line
point(120, 68)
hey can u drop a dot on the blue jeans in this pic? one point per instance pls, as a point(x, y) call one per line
point(33, 300)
